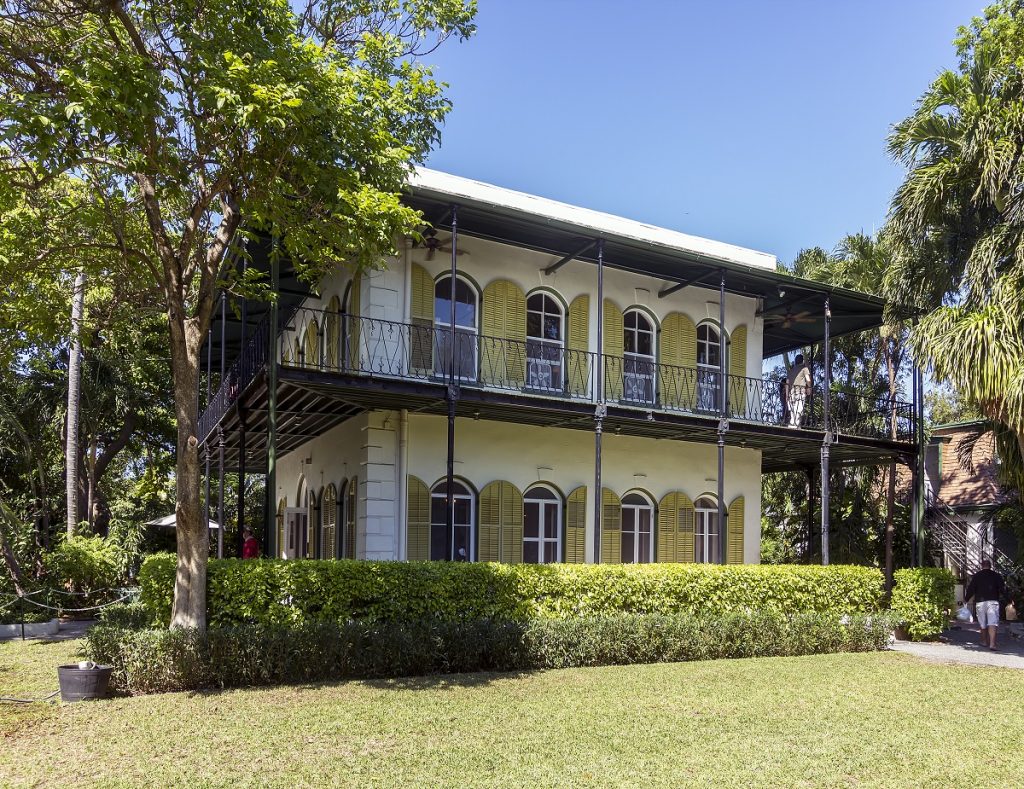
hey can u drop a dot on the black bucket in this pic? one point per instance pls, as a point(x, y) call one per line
point(77, 684)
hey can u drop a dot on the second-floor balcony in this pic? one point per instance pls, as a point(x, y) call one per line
point(362, 347)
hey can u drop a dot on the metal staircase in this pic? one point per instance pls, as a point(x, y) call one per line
point(958, 546)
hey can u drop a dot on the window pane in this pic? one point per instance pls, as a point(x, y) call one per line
point(629, 341)
point(645, 344)
point(462, 511)
point(634, 498)
point(645, 520)
point(550, 552)
point(627, 548)
point(530, 552)
point(552, 328)
point(437, 509)
point(533, 324)
point(530, 519)
point(540, 493)
point(535, 302)
point(550, 521)
point(645, 547)
point(437, 542)
point(630, 320)
point(628, 519)
point(460, 549)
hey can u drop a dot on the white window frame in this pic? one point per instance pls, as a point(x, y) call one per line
point(635, 510)
point(708, 375)
point(541, 540)
point(534, 366)
point(438, 492)
point(444, 327)
point(639, 358)
point(703, 517)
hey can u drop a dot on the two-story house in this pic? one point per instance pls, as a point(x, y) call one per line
point(534, 382)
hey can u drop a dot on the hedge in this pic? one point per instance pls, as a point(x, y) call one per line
point(922, 599)
point(293, 592)
point(152, 661)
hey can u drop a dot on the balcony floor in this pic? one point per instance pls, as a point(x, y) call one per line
point(311, 402)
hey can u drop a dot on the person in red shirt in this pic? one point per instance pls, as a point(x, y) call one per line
point(250, 546)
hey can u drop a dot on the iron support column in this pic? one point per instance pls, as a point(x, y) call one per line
point(206, 444)
point(723, 419)
point(453, 396)
point(241, 423)
point(826, 443)
point(600, 409)
point(221, 387)
point(272, 549)
point(918, 475)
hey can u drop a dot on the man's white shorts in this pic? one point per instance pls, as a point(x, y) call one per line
point(988, 613)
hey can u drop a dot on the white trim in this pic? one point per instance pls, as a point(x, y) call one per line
point(541, 539)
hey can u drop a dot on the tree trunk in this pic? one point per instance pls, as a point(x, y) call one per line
point(74, 381)
point(189, 609)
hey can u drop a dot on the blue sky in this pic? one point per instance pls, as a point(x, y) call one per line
point(758, 123)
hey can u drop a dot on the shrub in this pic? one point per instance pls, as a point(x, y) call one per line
point(293, 592)
point(151, 661)
point(922, 598)
point(129, 616)
point(87, 566)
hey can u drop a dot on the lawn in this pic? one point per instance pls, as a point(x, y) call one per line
point(838, 720)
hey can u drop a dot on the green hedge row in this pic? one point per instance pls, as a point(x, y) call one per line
point(294, 592)
point(153, 661)
point(922, 600)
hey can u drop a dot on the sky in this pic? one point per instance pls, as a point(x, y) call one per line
point(761, 124)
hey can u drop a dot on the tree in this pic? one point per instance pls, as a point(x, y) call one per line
point(74, 401)
point(958, 222)
point(180, 127)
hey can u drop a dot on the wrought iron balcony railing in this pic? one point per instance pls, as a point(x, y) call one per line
point(363, 346)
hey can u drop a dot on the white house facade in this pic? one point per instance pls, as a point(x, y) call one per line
point(600, 396)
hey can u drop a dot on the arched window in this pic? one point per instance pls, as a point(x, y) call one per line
point(637, 529)
point(329, 521)
point(707, 531)
point(545, 340)
point(638, 343)
point(542, 526)
point(348, 538)
point(709, 369)
point(460, 545)
point(466, 322)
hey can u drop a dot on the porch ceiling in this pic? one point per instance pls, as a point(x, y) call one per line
point(309, 403)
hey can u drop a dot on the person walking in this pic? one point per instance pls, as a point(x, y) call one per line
point(798, 389)
point(986, 587)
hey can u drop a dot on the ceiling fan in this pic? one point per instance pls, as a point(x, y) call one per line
point(433, 244)
point(789, 318)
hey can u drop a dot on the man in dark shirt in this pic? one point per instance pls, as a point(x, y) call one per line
point(986, 587)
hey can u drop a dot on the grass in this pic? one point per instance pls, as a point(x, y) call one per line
point(877, 719)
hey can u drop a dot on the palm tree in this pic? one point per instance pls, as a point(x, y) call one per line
point(958, 221)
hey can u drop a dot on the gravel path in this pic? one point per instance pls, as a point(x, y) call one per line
point(962, 645)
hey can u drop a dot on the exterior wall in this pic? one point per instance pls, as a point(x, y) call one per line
point(385, 292)
point(368, 446)
point(957, 486)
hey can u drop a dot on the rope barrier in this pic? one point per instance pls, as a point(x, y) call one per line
point(78, 610)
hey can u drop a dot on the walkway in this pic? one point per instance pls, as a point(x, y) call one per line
point(962, 645)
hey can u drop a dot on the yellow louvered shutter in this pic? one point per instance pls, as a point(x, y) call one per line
point(312, 527)
point(675, 528)
point(332, 333)
point(421, 343)
point(501, 523)
point(296, 351)
point(576, 526)
point(577, 345)
point(286, 353)
point(734, 535)
point(611, 528)
point(738, 394)
point(354, 309)
point(312, 344)
point(329, 519)
point(678, 356)
point(503, 326)
point(417, 520)
point(613, 349)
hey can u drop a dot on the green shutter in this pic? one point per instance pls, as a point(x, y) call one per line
point(421, 343)
point(351, 515)
point(738, 372)
point(734, 534)
point(313, 528)
point(613, 345)
point(501, 523)
point(354, 325)
point(281, 506)
point(678, 357)
point(329, 518)
point(332, 333)
point(578, 343)
point(611, 528)
point(576, 526)
point(312, 344)
point(503, 329)
point(417, 520)
point(675, 528)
